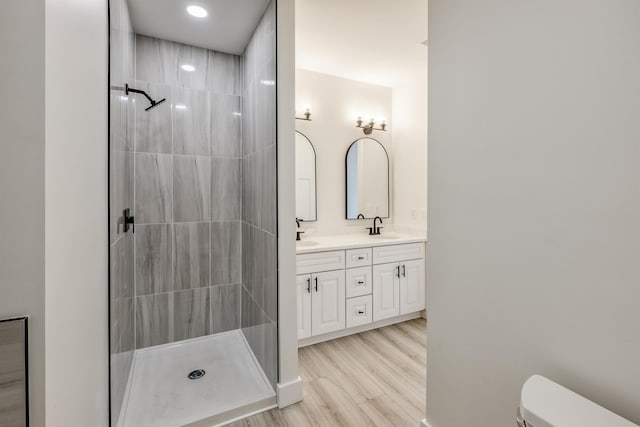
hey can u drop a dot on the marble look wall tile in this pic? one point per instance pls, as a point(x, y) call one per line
point(153, 259)
point(127, 332)
point(197, 58)
point(131, 120)
point(225, 307)
point(154, 320)
point(115, 310)
point(191, 188)
point(156, 60)
point(129, 48)
point(116, 38)
point(191, 314)
point(269, 279)
point(248, 63)
point(249, 261)
point(268, 196)
point(117, 120)
point(252, 314)
point(121, 189)
point(224, 73)
point(265, 106)
point(270, 361)
point(251, 189)
point(262, 339)
point(253, 261)
point(191, 248)
point(226, 189)
point(226, 252)
point(122, 267)
point(153, 184)
point(153, 127)
point(226, 123)
point(191, 122)
point(249, 127)
point(259, 265)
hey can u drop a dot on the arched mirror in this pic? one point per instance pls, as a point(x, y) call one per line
point(305, 179)
point(367, 180)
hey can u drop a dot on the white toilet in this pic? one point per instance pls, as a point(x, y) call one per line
point(544, 403)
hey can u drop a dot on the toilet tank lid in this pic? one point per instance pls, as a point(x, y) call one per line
point(544, 403)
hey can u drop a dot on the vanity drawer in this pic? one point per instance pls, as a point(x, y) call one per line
point(359, 281)
point(359, 257)
point(321, 261)
point(396, 253)
point(359, 311)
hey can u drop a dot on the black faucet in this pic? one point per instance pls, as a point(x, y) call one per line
point(298, 232)
point(375, 231)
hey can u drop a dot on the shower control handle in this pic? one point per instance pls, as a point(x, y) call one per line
point(309, 286)
point(316, 280)
point(129, 221)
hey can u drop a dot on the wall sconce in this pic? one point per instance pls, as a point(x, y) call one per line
point(370, 127)
point(307, 114)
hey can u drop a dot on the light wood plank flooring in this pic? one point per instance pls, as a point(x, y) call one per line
point(375, 378)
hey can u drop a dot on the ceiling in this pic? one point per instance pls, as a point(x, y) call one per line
point(227, 28)
point(373, 41)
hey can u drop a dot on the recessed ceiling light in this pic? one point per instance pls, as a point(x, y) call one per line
point(188, 67)
point(197, 11)
point(181, 107)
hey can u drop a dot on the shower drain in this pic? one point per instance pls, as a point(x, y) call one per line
point(198, 373)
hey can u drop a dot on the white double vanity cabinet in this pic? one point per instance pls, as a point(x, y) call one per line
point(348, 284)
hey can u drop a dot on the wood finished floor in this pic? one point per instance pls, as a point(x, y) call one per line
point(375, 378)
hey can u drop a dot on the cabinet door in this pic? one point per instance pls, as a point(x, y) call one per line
point(412, 286)
point(327, 302)
point(386, 291)
point(303, 285)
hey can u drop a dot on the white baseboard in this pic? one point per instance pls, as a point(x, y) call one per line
point(289, 393)
point(356, 330)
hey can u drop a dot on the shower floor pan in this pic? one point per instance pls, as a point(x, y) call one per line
point(161, 394)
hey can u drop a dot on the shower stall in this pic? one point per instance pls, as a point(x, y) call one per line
point(193, 237)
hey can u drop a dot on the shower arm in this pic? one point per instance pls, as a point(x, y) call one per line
point(128, 89)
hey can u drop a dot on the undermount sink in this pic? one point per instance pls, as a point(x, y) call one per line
point(304, 243)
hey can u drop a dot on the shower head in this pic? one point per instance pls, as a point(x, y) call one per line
point(153, 102)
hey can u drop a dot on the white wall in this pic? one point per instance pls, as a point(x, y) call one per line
point(76, 213)
point(410, 152)
point(336, 104)
point(534, 236)
point(22, 180)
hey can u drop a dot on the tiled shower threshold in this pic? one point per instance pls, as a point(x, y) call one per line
point(160, 394)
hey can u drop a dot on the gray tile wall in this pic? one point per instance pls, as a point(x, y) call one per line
point(188, 187)
point(121, 144)
point(259, 211)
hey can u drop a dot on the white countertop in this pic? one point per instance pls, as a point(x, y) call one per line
point(314, 244)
